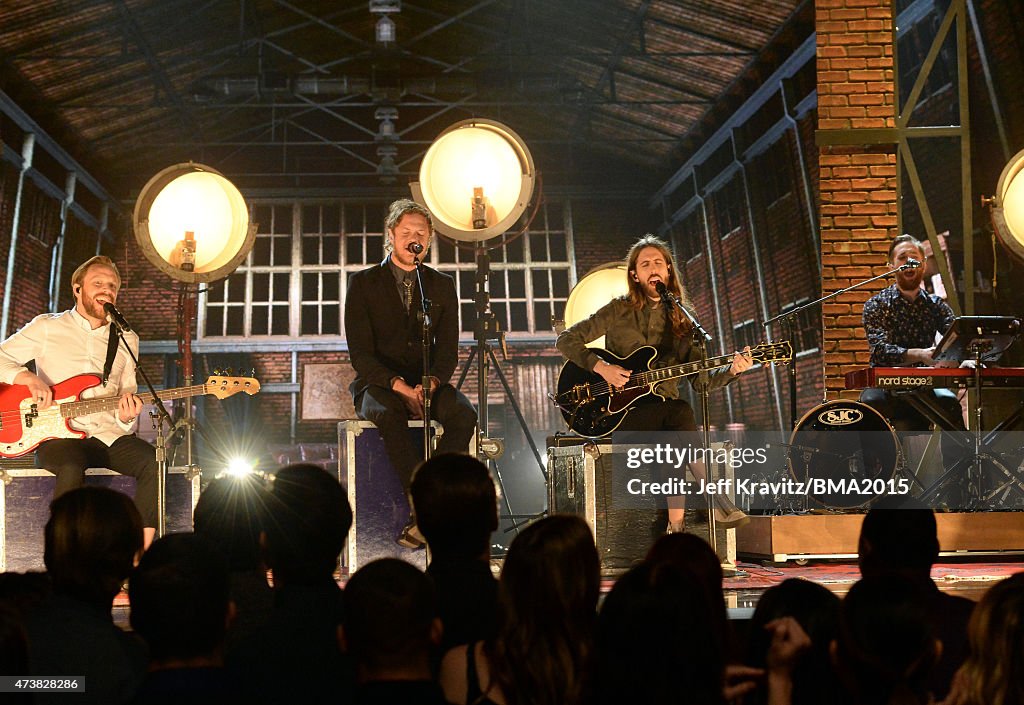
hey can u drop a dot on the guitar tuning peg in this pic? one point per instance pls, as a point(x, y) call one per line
point(252, 372)
point(229, 372)
point(217, 372)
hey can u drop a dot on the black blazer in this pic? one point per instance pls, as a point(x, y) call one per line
point(384, 340)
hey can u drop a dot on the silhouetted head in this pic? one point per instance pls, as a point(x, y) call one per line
point(456, 505)
point(306, 525)
point(390, 617)
point(91, 541)
point(180, 598)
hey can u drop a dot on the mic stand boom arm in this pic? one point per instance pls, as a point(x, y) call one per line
point(787, 317)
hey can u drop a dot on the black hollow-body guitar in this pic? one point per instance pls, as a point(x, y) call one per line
point(593, 410)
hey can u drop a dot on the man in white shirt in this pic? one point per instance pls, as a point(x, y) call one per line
point(72, 343)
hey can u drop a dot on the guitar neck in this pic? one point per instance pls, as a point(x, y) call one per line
point(85, 407)
point(682, 370)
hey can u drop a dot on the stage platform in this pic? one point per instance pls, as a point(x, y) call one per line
point(778, 539)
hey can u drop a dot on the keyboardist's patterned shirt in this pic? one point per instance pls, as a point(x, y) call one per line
point(893, 324)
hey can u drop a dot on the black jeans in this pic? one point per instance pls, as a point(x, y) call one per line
point(68, 458)
point(388, 413)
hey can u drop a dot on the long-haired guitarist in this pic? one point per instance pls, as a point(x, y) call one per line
point(638, 319)
point(72, 343)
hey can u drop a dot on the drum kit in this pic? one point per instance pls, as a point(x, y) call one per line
point(852, 451)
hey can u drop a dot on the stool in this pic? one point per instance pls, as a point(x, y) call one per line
point(380, 508)
point(26, 493)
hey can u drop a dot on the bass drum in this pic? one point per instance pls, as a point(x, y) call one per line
point(851, 447)
point(597, 287)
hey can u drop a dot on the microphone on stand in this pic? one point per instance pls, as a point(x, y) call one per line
point(663, 291)
point(116, 318)
point(911, 264)
point(414, 247)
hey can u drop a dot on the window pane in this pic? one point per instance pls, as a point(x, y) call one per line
point(330, 250)
point(214, 320)
point(281, 286)
point(467, 285)
point(556, 241)
point(310, 286)
point(331, 320)
point(542, 315)
point(330, 285)
point(541, 290)
point(236, 321)
point(468, 317)
point(311, 219)
point(280, 320)
point(262, 217)
point(260, 287)
point(538, 247)
point(282, 219)
point(282, 251)
point(498, 284)
point(261, 252)
point(560, 283)
point(330, 219)
point(374, 248)
point(517, 285)
point(310, 250)
point(354, 250)
point(354, 219)
point(445, 252)
point(554, 216)
point(500, 309)
point(310, 320)
point(236, 288)
point(259, 319)
point(514, 250)
point(519, 320)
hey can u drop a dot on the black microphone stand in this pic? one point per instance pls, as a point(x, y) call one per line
point(160, 415)
point(701, 339)
point(424, 316)
point(788, 316)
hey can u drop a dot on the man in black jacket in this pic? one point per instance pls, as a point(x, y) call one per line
point(385, 344)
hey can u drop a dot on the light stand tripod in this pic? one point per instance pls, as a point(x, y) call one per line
point(487, 329)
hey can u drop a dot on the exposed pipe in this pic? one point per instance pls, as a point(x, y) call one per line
point(58, 250)
point(27, 149)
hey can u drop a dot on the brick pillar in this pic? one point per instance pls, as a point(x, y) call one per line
point(856, 90)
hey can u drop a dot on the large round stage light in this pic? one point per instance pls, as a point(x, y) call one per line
point(476, 179)
point(597, 287)
point(1008, 207)
point(193, 224)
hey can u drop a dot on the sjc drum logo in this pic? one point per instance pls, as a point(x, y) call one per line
point(840, 417)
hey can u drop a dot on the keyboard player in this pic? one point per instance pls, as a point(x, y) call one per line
point(901, 322)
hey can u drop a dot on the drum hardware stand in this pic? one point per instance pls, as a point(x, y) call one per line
point(787, 319)
point(487, 329)
point(159, 416)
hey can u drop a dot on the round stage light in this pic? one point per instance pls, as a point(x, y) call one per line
point(1008, 207)
point(193, 224)
point(476, 179)
point(239, 467)
point(597, 287)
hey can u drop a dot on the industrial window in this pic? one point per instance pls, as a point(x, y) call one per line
point(293, 281)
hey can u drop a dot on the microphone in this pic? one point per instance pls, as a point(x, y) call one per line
point(414, 247)
point(662, 290)
point(116, 318)
point(911, 264)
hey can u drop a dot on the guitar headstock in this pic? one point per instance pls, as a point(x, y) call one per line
point(781, 351)
point(224, 387)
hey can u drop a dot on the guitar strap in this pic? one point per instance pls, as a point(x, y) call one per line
point(112, 338)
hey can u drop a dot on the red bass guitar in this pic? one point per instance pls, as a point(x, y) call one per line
point(23, 426)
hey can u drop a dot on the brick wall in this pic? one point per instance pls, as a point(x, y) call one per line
point(858, 184)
